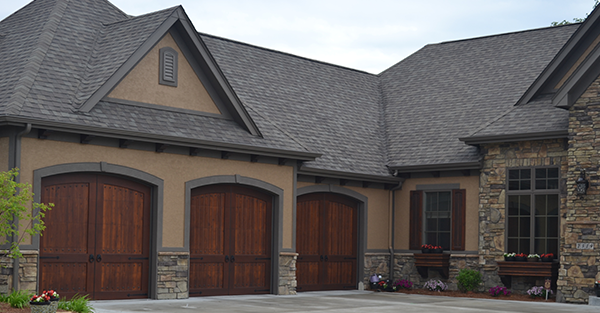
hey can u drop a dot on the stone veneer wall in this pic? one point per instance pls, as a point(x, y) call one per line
point(287, 273)
point(376, 263)
point(172, 273)
point(492, 194)
point(28, 268)
point(580, 268)
point(404, 268)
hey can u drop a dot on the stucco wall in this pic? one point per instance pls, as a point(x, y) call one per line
point(3, 154)
point(141, 84)
point(469, 183)
point(174, 169)
point(377, 214)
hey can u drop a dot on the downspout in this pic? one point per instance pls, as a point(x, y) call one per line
point(392, 232)
point(15, 221)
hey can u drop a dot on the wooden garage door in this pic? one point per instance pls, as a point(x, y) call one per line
point(326, 242)
point(230, 241)
point(97, 237)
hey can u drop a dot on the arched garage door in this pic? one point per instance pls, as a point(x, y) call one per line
point(97, 237)
point(326, 242)
point(230, 241)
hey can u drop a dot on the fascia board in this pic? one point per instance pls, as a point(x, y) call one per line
point(438, 167)
point(133, 60)
point(585, 74)
point(243, 115)
point(304, 170)
point(179, 141)
point(476, 140)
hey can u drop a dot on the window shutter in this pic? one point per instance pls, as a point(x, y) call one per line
point(458, 219)
point(416, 219)
point(168, 67)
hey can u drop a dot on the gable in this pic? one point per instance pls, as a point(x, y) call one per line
point(142, 83)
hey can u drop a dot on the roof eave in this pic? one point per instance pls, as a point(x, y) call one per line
point(476, 140)
point(164, 139)
point(475, 165)
point(304, 170)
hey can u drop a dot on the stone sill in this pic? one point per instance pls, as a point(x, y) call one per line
point(288, 254)
point(173, 253)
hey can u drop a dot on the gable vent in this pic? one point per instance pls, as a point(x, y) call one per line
point(168, 67)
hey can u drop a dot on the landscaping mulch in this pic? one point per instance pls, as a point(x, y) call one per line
point(6, 308)
point(478, 295)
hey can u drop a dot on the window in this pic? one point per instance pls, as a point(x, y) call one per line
point(438, 217)
point(533, 211)
point(168, 67)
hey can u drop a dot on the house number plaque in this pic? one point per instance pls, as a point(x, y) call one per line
point(585, 246)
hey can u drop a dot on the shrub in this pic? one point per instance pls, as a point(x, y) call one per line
point(538, 291)
point(76, 304)
point(468, 280)
point(19, 299)
point(496, 291)
point(435, 285)
point(402, 284)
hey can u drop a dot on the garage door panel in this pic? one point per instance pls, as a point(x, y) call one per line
point(230, 241)
point(107, 221)
point(329, 222)
point(69, 218)
point(67, 278)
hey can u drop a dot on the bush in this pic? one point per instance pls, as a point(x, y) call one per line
point(19, 299)
point(496, 291)
point(468, 280)
point(435, 285)
point(402, 284)
point(538, 291)
point(76, 304)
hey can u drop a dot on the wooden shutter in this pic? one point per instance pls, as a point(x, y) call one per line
point(458, 219)
point(416, 219)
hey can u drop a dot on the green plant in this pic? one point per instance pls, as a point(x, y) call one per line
point(3, 298)
point(16, 205)
point(76, 304)
point(468, 280)
point(18, 299)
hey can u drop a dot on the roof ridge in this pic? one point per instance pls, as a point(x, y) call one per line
point(131, 18)
point(37, 56)
point(492, 121)
point(284, 53)
point(117, 8)
point(506, 34)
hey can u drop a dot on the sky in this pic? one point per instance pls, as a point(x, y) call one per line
point(367, 35)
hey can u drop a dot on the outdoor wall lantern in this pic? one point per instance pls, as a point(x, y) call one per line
point(582, 184)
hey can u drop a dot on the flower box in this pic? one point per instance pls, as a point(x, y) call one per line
point(436, 261)
point(528, 269)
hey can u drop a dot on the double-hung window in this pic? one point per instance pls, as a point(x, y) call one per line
point(532, 215)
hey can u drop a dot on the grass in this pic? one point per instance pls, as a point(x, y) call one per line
point(76, 304)
point(18, 299)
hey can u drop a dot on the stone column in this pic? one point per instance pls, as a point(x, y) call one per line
point(287, 273)
point(173, 268)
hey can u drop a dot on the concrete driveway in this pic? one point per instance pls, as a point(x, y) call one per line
point(335, 301)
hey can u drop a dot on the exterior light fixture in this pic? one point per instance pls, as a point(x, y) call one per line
point(582, 184)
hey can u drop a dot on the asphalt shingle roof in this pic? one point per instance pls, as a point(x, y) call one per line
point(447, 91)
point(54, 54)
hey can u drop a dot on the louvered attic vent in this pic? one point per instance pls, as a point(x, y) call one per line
point(168, 67)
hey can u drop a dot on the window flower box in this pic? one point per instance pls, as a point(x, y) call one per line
point(435, 261)
point(529, 269)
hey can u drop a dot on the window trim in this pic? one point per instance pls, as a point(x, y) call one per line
point(457, 224)
point(531, 192)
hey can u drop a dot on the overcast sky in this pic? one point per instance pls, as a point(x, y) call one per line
point(369, 35)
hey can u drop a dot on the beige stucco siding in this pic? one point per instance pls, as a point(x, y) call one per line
point(3, 154)
point(470, 184)
point(141, 84)
point(174, 169)
point(377, 215)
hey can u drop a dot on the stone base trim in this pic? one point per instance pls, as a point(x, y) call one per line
point(173, 269)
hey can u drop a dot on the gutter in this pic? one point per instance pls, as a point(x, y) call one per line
point(392, 230)
point(346, 175)
point(15, 221)
point(474, 165)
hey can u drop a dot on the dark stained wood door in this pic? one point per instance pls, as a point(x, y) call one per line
point(230, 241)
point(97, 237)
point(326, 242)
